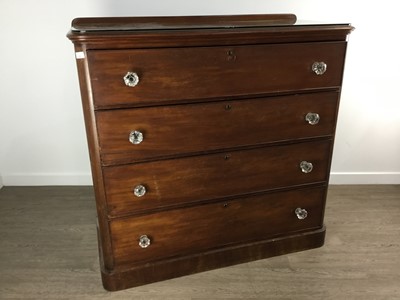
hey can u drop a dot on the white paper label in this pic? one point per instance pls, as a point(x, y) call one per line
point(80, 55)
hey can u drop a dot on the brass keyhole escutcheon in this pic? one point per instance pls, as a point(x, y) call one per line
point(228, 107)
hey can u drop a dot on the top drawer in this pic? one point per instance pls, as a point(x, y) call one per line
point(169, 75)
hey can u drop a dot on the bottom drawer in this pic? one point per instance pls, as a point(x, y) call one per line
point(199, 228)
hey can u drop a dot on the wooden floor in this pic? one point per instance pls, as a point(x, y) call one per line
point(48, 250)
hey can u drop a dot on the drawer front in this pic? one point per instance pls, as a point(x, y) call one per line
point(200, 228)
point(172, 74)
point(204, 177)
point(178, 129)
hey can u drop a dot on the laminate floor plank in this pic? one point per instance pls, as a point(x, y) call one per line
point(48, 250)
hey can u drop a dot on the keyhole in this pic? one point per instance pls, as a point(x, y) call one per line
point(227, 156)
point(231, 55)
point(225, 205)
point(228, 107)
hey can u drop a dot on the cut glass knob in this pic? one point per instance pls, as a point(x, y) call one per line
point(139, 190)
point(312, 118)
point(306, 167)
point(319, 67)
point(301, 213)
point(131, 79)
point(144, 241)
point(136, 137)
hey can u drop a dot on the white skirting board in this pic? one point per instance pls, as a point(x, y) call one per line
point(43, 179)
point(364, 178)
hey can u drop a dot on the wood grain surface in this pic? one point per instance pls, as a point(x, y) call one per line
point(173, 22)
point(214, 176)
point(197, 128)
point(240, 58)
point(195, 229)
point(182, 74)
point(48, 250)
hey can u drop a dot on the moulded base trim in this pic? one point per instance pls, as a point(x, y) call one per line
point(204, 261)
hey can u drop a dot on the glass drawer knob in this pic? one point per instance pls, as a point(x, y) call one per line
point(312, 118)
point(144, 241)
point(136, 137)
point(319, 67)
point(301, 213)
point(306, 167)
point(139, 190)
point(131, 79)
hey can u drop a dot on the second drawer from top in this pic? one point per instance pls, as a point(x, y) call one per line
point(131, 135)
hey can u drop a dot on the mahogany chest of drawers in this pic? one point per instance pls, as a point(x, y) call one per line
point(210, 138)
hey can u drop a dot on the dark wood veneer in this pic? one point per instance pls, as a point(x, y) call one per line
point(212, 126)
point(213, 176)
point(221, 103)
point(190, 22)
point(95, 33)
point(180, 73)
point(217, 258)
point(199, 228)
